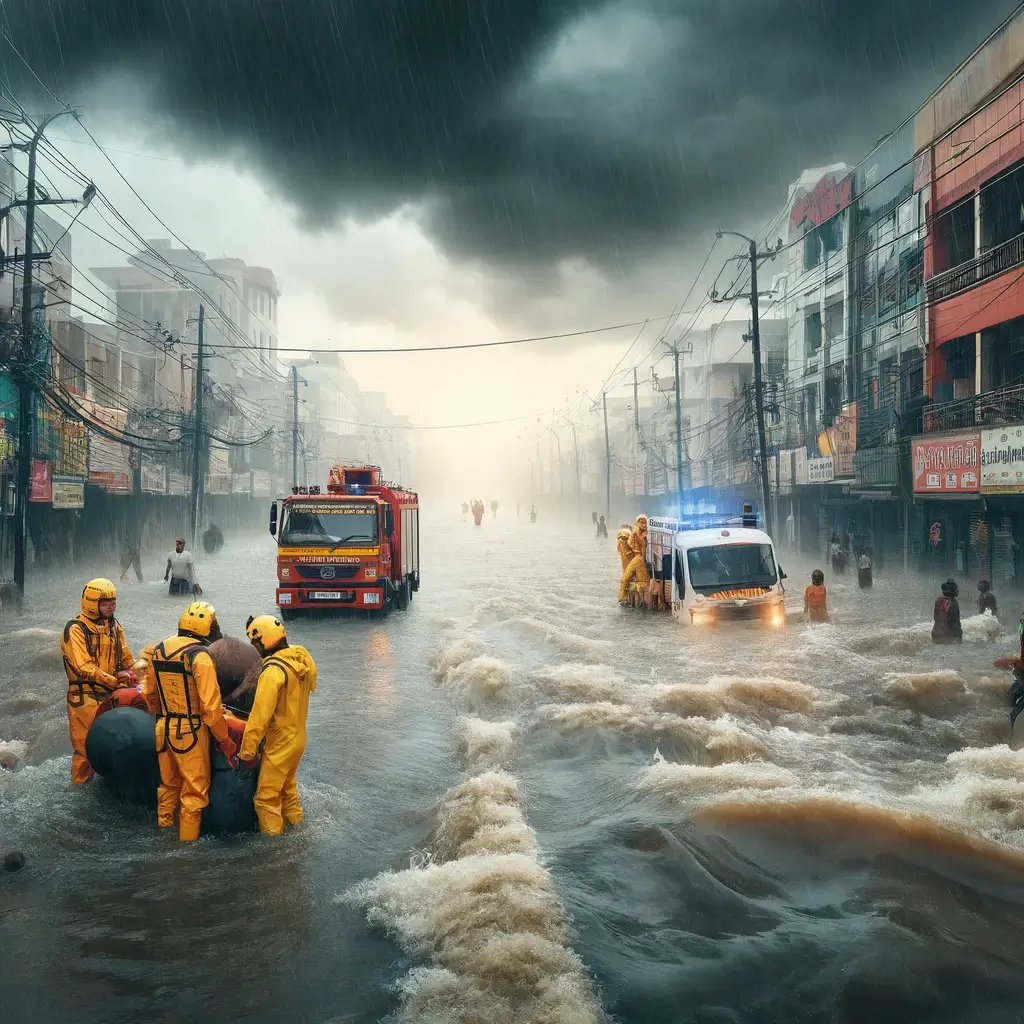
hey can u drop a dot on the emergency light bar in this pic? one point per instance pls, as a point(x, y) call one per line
point(708, 521)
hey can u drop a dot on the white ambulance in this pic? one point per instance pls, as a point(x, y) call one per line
point(717, 568)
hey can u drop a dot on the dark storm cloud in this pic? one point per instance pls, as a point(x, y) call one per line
point(530, 129)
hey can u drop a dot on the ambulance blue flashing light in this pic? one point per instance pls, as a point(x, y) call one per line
point(749, 518)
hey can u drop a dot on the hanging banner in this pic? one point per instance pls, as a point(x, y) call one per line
point(220, 464)
point(154, 476)
point(947, 464)
point(1002, 460)
point(109, 461)
point(177, 482)
point(821, 471)
point(219, 484)
point(800, 467)
point(840, 441)
point(7, 448)
point(262, 484)
point(42, 484)
point(785, 472)
point(63, 440)
point(68, 494)
point(241, 484)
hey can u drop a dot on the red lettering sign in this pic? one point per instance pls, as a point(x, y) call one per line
point(42, 487)
point(824, 201)
point(950, 464)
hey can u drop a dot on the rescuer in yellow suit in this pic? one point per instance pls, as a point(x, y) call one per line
point(97, 661)
point(180, 684)
point(637, 567)
point(279, 714)
point(622, 545)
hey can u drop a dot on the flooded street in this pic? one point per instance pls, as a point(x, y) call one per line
point(524, 803)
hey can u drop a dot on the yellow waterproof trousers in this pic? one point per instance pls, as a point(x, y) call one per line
point(184, 782)
point(637, 569)
point(80, 719)
point(277, 796)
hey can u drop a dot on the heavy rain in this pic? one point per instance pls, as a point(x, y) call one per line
point(511, 512)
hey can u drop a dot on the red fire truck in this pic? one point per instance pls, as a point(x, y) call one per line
point(357, 546)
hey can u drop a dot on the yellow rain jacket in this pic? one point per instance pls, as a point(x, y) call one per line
point(279, 716)
point(180, 686)
point(94, 651)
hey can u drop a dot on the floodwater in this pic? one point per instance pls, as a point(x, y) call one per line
point(525, 804)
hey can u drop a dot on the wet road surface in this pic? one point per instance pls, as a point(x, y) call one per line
point(526, 804)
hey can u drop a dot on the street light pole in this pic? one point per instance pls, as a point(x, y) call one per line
point(576, 465)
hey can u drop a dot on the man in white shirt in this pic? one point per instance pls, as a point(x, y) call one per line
point(180, 570)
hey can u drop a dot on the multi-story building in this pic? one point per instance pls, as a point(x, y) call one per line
point(967, 466)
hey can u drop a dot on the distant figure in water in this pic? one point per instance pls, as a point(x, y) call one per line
point(602, 528)
point(494, 509)
point(986, 599)
point(837, 556)
point(213, 539)
point(816, 598)
point(947, 628)
point(594, 517)
point(864, 568)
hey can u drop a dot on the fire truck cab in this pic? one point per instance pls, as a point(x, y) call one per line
point(357, 546)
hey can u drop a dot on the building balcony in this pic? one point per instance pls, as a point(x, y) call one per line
point(1002, 407)
point(996, 261)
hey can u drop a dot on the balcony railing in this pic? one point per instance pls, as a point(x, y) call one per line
point(981, 268)
point(998, 408)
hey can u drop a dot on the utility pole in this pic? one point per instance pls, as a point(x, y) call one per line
point(576, 465)
point(197, 441)
point(607, 461)
point(679, 428)
point(295, 428)
point(540, 471)
point(755, 345)
point(22, 377)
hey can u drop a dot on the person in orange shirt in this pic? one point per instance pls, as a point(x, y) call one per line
point(816, 598)
point(97, 661)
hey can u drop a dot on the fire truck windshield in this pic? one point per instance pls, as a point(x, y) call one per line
point(329, 524)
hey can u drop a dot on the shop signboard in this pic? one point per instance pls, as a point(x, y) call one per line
point(786, 472)
point(821, 471)
point(241, 484)
point(154, 476)
point(177, 482)
point(1002, 460)
point(262, 484)
point(109, 461)
point(219, 483)
point(7, 447)
point(42, 483)
point(947, 463)
point(800, 467)
point(68, 494)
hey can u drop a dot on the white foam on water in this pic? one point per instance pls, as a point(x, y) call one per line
point(582, 682)
point(478, 681)
point(568, 643)
point(691, 783)
point(925, 691)
point(981, 629)
point(484, 912)
point(12, 752)
point(485, 744)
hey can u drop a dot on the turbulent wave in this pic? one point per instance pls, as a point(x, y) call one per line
point(581, 682)
point(925, 691)
point(702, 739)
point(850, 825)
point(478, 681)
point(485, 914)
point(11, 753)
point(485, 744)
point(767, 698)
point(689, 783)
point(569, 643)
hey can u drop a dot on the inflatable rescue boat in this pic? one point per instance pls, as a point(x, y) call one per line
point(121, 745)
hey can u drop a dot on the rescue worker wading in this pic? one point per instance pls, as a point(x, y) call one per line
point(97, 661)
point(279, 714)
point(181, 689)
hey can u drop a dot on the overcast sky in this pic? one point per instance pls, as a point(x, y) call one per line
point(437, 171)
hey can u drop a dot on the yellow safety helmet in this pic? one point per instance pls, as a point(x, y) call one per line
point(199, 619)
point(265, 631)
point(99, 589)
